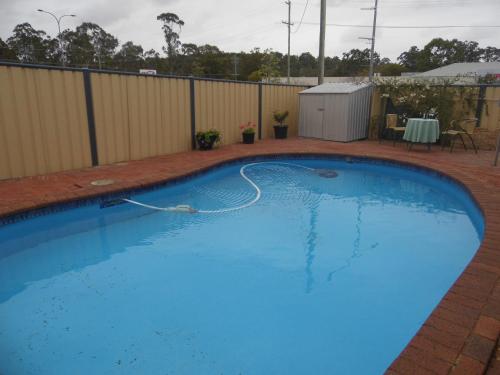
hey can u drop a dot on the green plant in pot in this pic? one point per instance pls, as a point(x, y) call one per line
point(207, 139)
point(248, 132)
point(280, 129)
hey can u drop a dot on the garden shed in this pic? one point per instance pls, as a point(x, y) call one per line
point(335, 111)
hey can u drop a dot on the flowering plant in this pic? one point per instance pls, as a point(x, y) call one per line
point(248, 128)
point(441, 99)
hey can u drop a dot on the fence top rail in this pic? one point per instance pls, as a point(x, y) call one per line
point(118, 72)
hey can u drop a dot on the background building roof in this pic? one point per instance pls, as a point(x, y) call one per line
point(464, 69)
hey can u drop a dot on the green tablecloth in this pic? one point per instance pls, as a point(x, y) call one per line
point(421, 130)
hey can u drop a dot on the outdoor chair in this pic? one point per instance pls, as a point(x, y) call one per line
point(392, 129)
point(460, 129)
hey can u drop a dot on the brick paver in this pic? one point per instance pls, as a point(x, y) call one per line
point(458, 338)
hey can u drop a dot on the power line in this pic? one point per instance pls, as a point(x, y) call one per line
point(406, 27)
point(302, 17)
point(403, 3)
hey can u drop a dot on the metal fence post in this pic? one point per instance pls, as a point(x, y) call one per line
point(90, 117)
point(193, 113)
point(260, 112)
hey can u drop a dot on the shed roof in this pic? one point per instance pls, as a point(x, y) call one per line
point(336, 88)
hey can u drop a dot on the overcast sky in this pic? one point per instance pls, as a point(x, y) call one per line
point(236, 25)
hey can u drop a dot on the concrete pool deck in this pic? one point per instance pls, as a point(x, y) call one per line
point(460, 335)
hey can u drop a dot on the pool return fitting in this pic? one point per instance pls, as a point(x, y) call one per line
point(325, 173)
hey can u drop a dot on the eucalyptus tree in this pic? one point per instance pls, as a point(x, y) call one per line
point(130, 56)
point(171, 27)
point(32, 46)
point(93, 39)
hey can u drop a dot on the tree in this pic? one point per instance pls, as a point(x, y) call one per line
point(32, 46)
point(89, 45)
point(470, 51)
point(210, 61)
point(391, 69)
point(332, 65)
point(130, 56)
point(79, 49)
point(249, 63)
point(102, 43)
point(409, 59)
point(356, 62)
point(308, 65)
point(269, 67)
point(189, 49)
point(490, 54)
point(171, 22)
point(439, 52)
point(6, 53)
point(152, 60)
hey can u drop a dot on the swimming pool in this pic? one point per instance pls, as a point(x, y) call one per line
point(325, 273)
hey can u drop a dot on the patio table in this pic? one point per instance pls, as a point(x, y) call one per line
point(420, 130)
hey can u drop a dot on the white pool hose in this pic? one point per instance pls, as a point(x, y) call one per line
point(189, 209)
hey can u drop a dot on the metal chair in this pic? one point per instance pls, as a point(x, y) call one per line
point(391, 125)
point(460, 129)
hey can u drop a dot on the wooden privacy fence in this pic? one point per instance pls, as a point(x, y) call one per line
point(54, 119)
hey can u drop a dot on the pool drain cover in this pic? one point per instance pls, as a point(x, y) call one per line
point(103, 182)
point(326, 173)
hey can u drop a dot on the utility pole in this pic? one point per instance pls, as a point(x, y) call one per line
point(322, 27)
point(372, 39)
point(289, 24)
point(59, 36)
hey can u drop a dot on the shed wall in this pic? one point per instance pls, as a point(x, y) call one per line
point(336, 117)
point(344, 118)
point(311, 117)
point(359, 115)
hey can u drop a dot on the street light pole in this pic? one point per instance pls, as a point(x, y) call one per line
point(58, 20)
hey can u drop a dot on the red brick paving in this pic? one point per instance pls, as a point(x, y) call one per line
point(468, 366)
point(458, 338)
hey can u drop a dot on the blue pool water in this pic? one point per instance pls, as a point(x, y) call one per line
point(320, 276)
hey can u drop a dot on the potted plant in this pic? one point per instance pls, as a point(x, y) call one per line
point(207, 139)
point(248, 132)
point(280, 129)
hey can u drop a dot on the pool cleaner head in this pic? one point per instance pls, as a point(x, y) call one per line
point(184, 208)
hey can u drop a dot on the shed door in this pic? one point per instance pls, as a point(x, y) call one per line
point(311, 119)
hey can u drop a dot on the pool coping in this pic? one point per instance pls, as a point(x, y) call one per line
point(458, 337)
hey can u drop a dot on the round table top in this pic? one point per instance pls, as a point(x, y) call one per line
point(421, 130)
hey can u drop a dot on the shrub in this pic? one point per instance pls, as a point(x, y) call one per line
point(280, 116)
